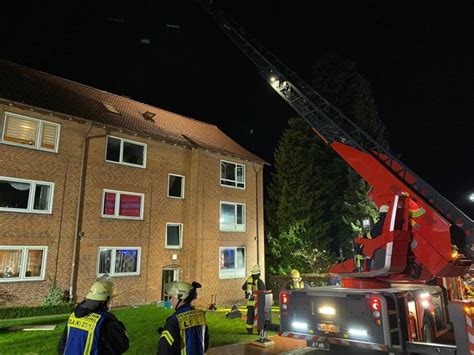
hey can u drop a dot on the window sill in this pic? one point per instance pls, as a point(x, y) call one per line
point(233, 187)
point(123, 218)
point(175, 197)
point(17, 210)
point(9, 280)
point(173, 247)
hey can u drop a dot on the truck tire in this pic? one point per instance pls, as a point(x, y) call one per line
point(428, 334)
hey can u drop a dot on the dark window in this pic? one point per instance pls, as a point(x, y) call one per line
point(133, 153)
point(14, 194)
point(175, 186)
point(125, 152)
point(113, 149)
point(173, 235)
point(232, 174)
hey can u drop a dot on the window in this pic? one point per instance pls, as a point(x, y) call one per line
point(231, 263)
point(232, 218)
point(119, 261)
point(126, 205)
point(124, 151)
point(19, 263)
point(232, 174)
point(18, 195)
point(30, 132)
point(174, 235)
point(175, 186)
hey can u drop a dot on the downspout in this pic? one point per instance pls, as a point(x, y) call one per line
point(80, 205)
point(85, 144)
point(256, 215)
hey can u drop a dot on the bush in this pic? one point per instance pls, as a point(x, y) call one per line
point(55, 295)
point(22, 312)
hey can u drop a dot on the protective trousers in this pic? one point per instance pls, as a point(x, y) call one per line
point(250, 318)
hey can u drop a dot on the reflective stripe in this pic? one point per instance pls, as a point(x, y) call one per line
point(168, 337)
point(250, 303)
point(88, 324)
point(249, 326)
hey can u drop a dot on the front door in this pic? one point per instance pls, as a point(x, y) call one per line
point(169, 275)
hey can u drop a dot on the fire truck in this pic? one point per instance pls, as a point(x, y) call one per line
point(402, 292)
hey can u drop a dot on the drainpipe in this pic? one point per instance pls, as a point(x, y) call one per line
point(80, 205)
point(257, 171)
point(82, 177)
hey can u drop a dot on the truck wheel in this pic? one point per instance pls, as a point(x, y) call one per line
point(428, 336)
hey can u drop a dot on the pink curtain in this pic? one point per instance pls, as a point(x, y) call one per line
point(130, 205)
point(109, 203)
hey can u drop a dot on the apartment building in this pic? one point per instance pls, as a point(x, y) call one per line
point(94, 183)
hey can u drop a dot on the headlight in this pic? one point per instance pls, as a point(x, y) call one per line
point(327, 310)
point(300, 325)
point(358, 332)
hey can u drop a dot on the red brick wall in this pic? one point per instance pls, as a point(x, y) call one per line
point(199, 213)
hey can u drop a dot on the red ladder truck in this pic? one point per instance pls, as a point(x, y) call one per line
point(405, 293)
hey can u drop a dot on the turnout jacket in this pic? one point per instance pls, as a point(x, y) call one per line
point(185, 333)
point(93, 330)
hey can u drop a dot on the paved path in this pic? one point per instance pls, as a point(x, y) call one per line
point(282, 346)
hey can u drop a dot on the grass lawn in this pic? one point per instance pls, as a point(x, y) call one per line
point(141, 324)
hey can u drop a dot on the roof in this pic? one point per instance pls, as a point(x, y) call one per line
point(45, 91)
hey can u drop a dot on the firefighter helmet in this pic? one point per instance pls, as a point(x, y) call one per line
point(295, 274)
point(179, 289)
point(255, 270)
point(102, 289)
point(383, 209)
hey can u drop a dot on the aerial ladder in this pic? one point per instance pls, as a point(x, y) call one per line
point(424, 236)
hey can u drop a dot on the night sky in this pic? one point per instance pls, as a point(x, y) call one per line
point(417, 55)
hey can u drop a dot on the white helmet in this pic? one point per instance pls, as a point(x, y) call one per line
point(178, 289)
point(255, 270)
point(383, 209)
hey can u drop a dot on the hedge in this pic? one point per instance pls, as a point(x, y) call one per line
point(23, 312)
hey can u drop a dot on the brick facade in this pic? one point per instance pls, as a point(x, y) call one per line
point(198, 259)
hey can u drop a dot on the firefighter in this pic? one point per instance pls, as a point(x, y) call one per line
point(91, 329)
point(378, 226)
point(185, 332)
point(295, 280)
point(251, 286)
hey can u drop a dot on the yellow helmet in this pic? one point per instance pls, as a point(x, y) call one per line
point(178, 289)
point(255, 270)
point(383, 209)
point(102, 289)
point(295, 274)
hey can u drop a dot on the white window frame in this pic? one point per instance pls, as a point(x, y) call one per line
point(31, 196)
point(117, 204)
point(121, 162)
point(180, 246)
point(24, 262)
point(112, 261)
point(227, 274)
point(39, 132)
point(233, 181)
point(236, 227)
point(181, 197)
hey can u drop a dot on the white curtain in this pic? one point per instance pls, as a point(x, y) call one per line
point(19, 186)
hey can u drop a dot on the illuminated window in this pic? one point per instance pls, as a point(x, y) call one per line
point(22, 263)
point(232, 174)
point(231, 263)
point(232, 217)
point(30, 132)
point(18, 195)
point(119, 261)
point(124, 151)
point(123, 205)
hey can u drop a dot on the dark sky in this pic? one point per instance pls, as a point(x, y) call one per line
point(417, 55)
